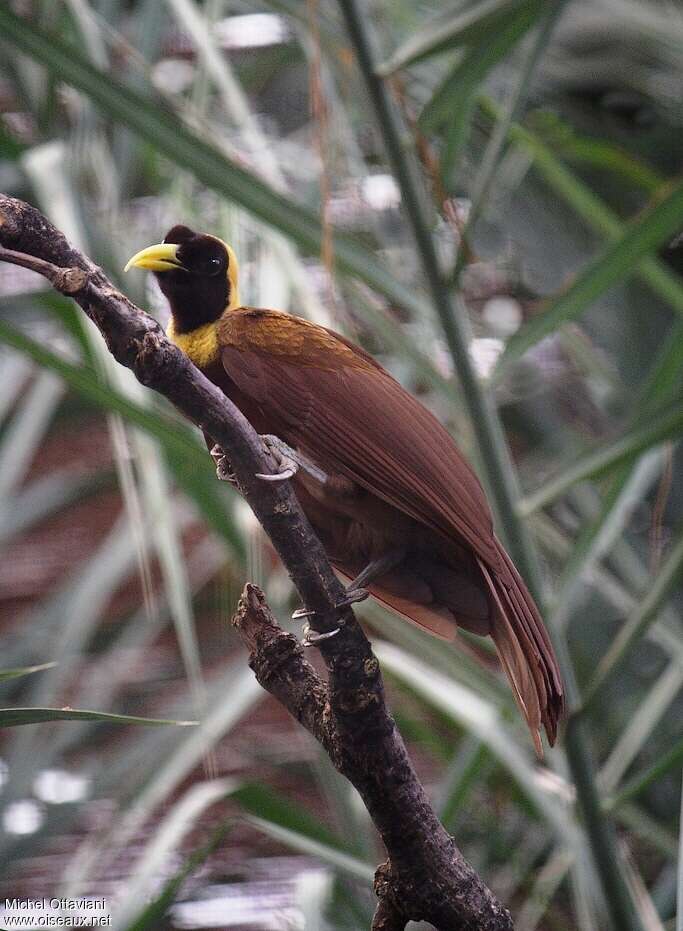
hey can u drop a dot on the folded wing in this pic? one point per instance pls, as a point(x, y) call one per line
point(336, 403)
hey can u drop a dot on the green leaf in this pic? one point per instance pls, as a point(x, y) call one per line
point(452, 30)
point(338, 859)
point(661, 426)
point(454, 99)
point(643, 616)
point(653, 773)
point(14, 717)
point(456, 139)
point(660, 388)
point(593, 538)
point(152, 918)
point(467, 74)
point(495, 148)
point(656, 834)
point(23, 671)
point(83, 379)
point(69, 315)
point(617, 263)
point(610, 158)
point(468, 764)
point(664, 379)
point(265, 803)
point(10, 147)
point(186, 456)
point(591, 208)
point(479, 717)
point(153, 120)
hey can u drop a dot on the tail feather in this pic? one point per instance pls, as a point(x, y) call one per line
point(524, 649)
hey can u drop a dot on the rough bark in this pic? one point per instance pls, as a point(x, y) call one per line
point(426, 876)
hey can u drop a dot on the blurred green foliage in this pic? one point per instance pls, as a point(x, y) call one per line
point(501, 196)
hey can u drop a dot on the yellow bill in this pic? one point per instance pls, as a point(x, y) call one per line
point(159, 258)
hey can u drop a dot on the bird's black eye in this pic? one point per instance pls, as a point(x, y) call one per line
point(208, 265)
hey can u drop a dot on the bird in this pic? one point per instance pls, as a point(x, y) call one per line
point(397, 507)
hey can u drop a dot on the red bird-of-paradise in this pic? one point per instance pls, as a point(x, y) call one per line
point(396, 506)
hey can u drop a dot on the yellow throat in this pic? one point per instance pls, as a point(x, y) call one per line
point(201, 345)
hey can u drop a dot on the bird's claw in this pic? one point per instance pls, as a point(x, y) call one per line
point(302, 613)
point(223, 466)
point(352, 597)
point(283, 455)
point(287, 473)
point(311, 638)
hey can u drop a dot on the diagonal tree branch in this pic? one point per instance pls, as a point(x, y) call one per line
point(426, 876)
point(361, 739)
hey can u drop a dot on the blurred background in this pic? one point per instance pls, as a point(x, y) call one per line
point(544, 141)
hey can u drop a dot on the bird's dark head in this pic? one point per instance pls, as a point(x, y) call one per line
point(196, 272)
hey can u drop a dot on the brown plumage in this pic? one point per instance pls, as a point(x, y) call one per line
point(396, 478)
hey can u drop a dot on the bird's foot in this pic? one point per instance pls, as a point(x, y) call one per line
point(285, 457)
point(223, 466)
point(353, 596)
point(302, 613)
point(290, 462)
point(312, 638)
point(355, 591)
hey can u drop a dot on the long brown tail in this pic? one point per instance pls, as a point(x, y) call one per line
point(525, 651)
